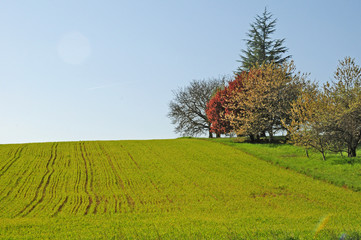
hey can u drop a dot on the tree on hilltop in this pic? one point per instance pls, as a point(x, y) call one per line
point(263, 100)
point(329, 119)
point(261, 49)
point(344, 96)
point(188, 108)
point(216, 111)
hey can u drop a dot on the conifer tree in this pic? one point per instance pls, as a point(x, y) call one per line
point(261, 49)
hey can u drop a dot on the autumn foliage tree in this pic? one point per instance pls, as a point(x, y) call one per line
point(217, 107)
point(263, 99)
point(310, 121)
point(256, 101)
point(329, 119)
point(215, 111)
point(344, 94)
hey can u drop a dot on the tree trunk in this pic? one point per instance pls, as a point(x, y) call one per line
point(322, 150)
point(351, 151)
point(251, 136)
point(210, 134)
point(270, 136)
point(323, 156)
point(218, 135)
point(307, 153)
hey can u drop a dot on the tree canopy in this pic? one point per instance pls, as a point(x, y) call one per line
point(261, 48)
point(188, 108)
point(329, 119)
point(256, 101)
point(264, 100)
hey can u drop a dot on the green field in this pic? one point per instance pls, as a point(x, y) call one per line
point(339, 170)
point(161, 189)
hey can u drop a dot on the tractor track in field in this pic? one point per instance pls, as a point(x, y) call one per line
point(149, 178)
point(77, 206)
point(118, 179)
point(21, 180)
point(79, 200)
point(49, 172)
point(97, 199)
point(119, 182)
point(60, 207)
point(105, 206)
point(115, 204)
point(89, 180)
point(90, 200)
point(17, 155)
point(11, 189)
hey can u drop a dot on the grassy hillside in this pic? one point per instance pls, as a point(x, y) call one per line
point(184, 188)
point(338, 170)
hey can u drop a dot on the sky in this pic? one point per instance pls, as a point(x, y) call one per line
point(105, 70)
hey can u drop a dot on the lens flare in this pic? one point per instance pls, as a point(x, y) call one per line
point(74, 48)
point(322, 224)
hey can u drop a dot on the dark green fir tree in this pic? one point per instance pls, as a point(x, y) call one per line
point(261, 48)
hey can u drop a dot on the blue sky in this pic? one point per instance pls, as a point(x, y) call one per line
point(99, 70)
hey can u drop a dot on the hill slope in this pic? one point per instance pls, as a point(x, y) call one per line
point(184, 188)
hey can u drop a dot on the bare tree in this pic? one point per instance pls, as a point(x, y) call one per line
point(188, 108)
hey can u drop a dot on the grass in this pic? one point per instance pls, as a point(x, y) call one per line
point(338, 170)
point(163, 189)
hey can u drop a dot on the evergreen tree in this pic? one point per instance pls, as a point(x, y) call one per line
point(260, 47)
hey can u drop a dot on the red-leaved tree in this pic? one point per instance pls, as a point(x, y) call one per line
point(215, 112)
point(217, 108)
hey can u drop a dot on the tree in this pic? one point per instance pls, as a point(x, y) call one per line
point(263, 100)
point(188, 108)
point(344, 98)
point(310, 121)
point(215, 111)
point(260, 47)
point(218, 110)
point(329, 119)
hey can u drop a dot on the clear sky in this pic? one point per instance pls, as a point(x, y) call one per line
point(96, 70)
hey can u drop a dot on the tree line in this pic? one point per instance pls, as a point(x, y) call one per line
point(267, 96)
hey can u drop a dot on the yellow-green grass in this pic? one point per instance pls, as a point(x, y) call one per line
point(339, 170)
point(161, 189)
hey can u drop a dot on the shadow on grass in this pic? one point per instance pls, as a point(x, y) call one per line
point(263, 140)
point(335, 160)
